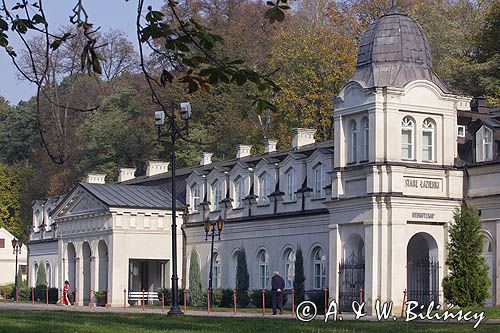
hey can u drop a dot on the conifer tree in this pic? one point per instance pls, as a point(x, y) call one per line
point(299, 278)
point(41, 276)
point(195, 279)
point(242, 279)
point(467, 283)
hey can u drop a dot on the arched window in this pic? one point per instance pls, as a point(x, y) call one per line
point(484, 144)
point(216, 271)
point(407, 138)
point(239, 192)
point(319, 181)
point(263, 259)
point(428, 151)
point(289, 265)
point(264, 188)
point(353, 142)
point(48, 273)
point(216, 195)
point(290, 185)
point(487, 245)
point(366, 139)
point(319, 262)
point(195, 197)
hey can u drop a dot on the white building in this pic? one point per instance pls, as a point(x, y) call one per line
point(370, 210)
point(8, 259)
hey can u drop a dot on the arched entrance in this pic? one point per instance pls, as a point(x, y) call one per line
point(422, 269)
point(86, 254)
point(352, 273)
point(488, 254)
point(102, 250)
point(71, 266)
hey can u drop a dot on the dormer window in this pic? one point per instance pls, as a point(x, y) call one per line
point(319, 181)
point(428, 128)
point(239, 192)
point(216, 195)
point(484, 144)
point(353, 142)
point(264, 188)
point(195, 197)
point(366, 139)
point(407, 138)
point(291, 185)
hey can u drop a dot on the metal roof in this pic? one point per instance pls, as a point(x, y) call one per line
point(393, 52)
point(133, 196)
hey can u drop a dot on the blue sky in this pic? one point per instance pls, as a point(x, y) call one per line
point(115, 14)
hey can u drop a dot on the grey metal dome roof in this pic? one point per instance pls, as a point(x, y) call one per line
point(394, 51)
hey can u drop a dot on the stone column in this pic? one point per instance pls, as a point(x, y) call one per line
point(94, 276)
point(79, 281)
point(334, 261)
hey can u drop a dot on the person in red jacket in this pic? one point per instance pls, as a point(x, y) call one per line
point(65, 294)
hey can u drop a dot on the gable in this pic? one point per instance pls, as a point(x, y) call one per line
point(80, 202)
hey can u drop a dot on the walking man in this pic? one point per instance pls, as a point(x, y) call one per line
point(277, 286)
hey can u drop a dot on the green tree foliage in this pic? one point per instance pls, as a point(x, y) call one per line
point(242, 279)
point(299, 278)
point(41, 276)
point(468, 282)
point(195, 291)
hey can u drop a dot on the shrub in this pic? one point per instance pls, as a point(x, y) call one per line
point(227, 298)
point(41, 276)
point(217, 297)
point(256, 296)
point(40, 293)
point(196, 295)
point(24, 294)
point(299, 278)
point(318, 298)
point(54, 295)
point(242, 279)
point(167, 294)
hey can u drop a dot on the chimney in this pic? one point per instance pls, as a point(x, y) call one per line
point(206, 158)
point(302, 137)
point(270, 145)
point(156, 167)
point(96, 178)
point(480, 105)
point(126, 174)
point(243, 150)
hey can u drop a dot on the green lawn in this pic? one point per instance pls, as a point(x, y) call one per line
point(66, 322)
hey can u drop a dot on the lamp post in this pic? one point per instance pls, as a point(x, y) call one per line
point(214, 228)
point(173, 131)
point(16, 245)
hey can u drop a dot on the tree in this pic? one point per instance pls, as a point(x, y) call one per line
point(41, 276)
point(195, 279)
point(242, 279)
point(299, 278)
point(467, 283)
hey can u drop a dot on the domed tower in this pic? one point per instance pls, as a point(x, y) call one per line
point(394, 183)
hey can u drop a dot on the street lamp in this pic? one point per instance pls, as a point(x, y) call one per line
point(173, 130)
point(214, 228)
point(16, 245)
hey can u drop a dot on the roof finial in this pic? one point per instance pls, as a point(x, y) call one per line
point(394, 7)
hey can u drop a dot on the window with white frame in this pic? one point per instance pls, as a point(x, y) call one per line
point(263, 269)
point(216, 271)
point(407, 138)
point(428, 135)
point(48, 273)
point(264, 188)
point(319, 263)
point(319, 181)
point(353, 142)
point(195, 197)
point(239, 192)
point(290, 185)
point(484, 144)
point(216, 194)
point(289, 265)
point(366, 139)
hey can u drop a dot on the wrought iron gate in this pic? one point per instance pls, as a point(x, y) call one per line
point(423, 280)
point(352, 282)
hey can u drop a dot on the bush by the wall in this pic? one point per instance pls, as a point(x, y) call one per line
point(40, 293)
point(53, 295)
point(318, 298)
point(227, 298)
point(256, 297)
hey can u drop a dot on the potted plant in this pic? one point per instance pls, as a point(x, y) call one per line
point(100, 298)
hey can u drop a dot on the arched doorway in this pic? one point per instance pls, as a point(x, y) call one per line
point(102, 251)
point(488, 254)
point(86, 254)
point(422, 269)
point(71, 266)
point(352, 273)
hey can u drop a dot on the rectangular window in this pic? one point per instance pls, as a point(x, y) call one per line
point(264, 189)
point(263, 275)
point(407, 144)
point(238, 193)
point(195, 193)
point(427, 146)
point(24, 269)
point(2, 243)
point(319, 181)
point(366, 144)
point(488, 144)
point(290, 182)
point(216, 196)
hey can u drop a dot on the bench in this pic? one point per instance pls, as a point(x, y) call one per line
point(136, 296)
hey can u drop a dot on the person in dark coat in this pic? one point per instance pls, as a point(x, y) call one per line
point(277, 286)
